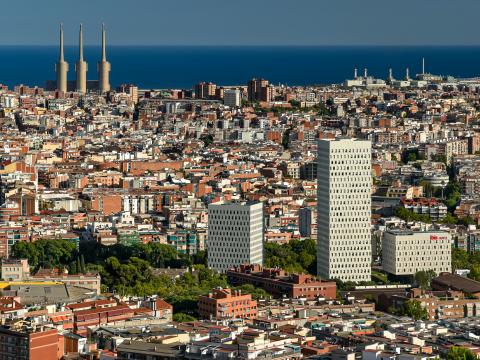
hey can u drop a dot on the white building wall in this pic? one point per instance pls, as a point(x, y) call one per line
point(406, 252)
point(344, 209)
point(235, 235)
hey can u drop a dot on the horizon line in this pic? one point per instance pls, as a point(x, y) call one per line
point(246, 45)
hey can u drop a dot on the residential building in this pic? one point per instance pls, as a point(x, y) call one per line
point(225, 304)
point(307, 222)
point(20, 344)
point(204, 90)
point(232, 97)
point(424, 206)
point(15, 270)
point(259, 90)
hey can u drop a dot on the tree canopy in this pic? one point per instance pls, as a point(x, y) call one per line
point(295, 256)
point(460, 353)
point(423, 278)
point(414, 309)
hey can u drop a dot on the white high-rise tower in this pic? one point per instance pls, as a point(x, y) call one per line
point(344, 209)
point(235, 234)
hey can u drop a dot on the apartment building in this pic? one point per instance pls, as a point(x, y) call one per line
point(225, 304)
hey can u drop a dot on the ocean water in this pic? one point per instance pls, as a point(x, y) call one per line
point(183, 66)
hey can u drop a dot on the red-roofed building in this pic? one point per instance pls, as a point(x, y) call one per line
point(223, 304)
point(278, 282)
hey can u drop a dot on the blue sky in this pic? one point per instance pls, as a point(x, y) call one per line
point(247, 22)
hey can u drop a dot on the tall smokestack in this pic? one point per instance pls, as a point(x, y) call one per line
point(423, 66)
point(390, 74)
point(81, 67)
point(61, 67)
point(104, 66)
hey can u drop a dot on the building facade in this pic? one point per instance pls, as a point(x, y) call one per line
point(406, 252)
point(15, 270)
point(223, 304)
point(232, 97)
point(279, 283)
point(23, 345)
point(344, 209)
point(235, 234)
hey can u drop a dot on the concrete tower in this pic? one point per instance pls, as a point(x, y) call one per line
point(81, 67)
point(61, 67)
point(104, 67)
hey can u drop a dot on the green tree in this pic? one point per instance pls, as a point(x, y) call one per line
point(466, 221)
point(415, 310)
point(46, 253)
point(449, 219)
point(411, 157)
point(460, 353)
point(452, 195)
point(424, 278)
point(82, 264)
point(78, 267)
point(257, 293)
point(460, 259)
point(286, 138)
point(427, 188)
point(207, 140)
point(182, 317)
point(409, 216)
point(200, 257)
point(296, 256)
point(475, 272)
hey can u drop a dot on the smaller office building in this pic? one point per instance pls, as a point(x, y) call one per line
point(406, 252)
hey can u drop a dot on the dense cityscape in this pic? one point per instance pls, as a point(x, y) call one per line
point(240, 221)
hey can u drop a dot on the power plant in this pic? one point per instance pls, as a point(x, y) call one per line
point(104, 66)
point(61, 66)
point(81, 66)
point(81, 84)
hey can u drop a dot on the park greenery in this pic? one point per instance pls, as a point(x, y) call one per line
point(413, 309)
point(295, 256)
point(464, 260)
point(129, 270)
point(423, 279)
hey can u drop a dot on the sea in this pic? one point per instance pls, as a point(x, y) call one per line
point(159, 67)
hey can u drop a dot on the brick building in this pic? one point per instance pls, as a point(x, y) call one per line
point(22, 345)
point(278, 282)
point(223, 304)
point(9, 235)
